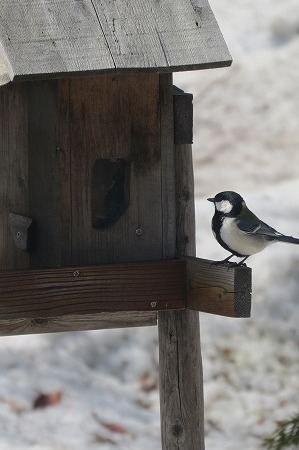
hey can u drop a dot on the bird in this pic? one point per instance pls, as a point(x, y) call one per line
point(239, 230)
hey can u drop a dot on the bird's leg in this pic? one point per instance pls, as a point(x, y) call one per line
point(242, 262)
point(226, 259)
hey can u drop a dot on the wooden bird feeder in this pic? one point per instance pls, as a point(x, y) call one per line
point(97, 207)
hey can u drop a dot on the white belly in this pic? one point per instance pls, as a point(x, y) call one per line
point(240, 242)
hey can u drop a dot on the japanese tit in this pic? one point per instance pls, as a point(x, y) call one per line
point(240, 231)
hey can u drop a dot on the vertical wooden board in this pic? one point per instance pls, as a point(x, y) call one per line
point(181, 379)
point(13, 170)
point(168, 167)
point(116, 117)
point(63, 155)
point(186, 227)
point(44, 157)
point(146, 180)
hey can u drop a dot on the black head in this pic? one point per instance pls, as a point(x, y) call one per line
point(228, 203)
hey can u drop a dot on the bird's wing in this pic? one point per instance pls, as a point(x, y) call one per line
point(251, 224)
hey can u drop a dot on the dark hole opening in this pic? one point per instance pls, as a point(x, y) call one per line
point(109, 191)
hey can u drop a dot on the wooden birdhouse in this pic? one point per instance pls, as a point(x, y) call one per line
point(96, 192)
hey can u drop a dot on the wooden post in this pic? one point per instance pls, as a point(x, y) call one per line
point(181, 382)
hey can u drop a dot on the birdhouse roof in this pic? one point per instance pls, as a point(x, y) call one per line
point(62, 38)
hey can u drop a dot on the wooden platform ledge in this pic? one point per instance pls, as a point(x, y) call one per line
point(80, 298)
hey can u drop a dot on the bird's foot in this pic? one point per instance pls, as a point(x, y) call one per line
point(241, 264)
point(228, 264)
point(224, 263)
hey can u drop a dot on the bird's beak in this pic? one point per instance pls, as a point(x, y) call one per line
point(211, 200)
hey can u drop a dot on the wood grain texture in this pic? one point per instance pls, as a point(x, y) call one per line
point(181, 379)
point(95, 321)
point(13, 170)
point(218, 289)
point(185, 207)
point(52, 132)
point(116, 117)
point(168, 167)
point(181, 395)
point(148, 286)
point(44, 173)
point(183, 117)
point(49, 38)
point(71, 124)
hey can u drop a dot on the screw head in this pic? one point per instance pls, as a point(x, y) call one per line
point(138, 231)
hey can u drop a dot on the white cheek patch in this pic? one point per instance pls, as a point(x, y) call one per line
point(224, 206)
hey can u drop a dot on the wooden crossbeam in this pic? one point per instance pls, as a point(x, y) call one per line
point(142, 286)
point(80, 297)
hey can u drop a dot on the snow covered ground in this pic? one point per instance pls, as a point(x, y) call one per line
point(104, 384)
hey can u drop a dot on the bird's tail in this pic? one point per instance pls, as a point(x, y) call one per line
point(289, 239)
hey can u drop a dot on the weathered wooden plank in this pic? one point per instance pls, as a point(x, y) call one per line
point(176, 284)
point(63, 160)
point(185, 207)
point(181, 379)
point(44, 193)
point(13, 171)
point(148, 286)
point(183, 117)
point(168, 167)
point(49, 38)
point(126, 109)
point(82, 322)
point(218, 289)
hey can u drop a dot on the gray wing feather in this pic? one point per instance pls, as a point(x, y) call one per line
point(252, 225)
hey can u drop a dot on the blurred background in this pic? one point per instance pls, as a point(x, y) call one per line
point(100, 389)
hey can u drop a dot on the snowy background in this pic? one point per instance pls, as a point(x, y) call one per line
point(101, 387)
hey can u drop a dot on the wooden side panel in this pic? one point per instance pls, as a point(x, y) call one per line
point(116, 117)
point(13, 171)
point(72, 124)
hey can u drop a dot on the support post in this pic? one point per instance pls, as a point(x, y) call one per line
point(181, 379)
